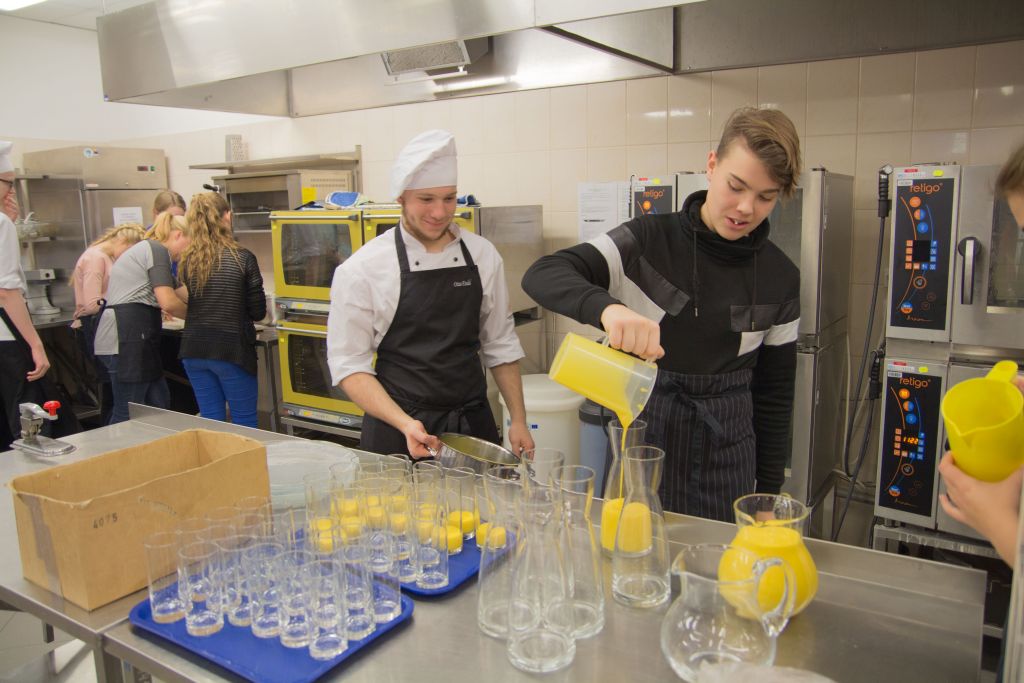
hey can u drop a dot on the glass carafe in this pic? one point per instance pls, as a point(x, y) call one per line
point(615, 482)
point(498, 495)
point(575, 487)
point(540, 614)
point(772, 525)
point(640, 563)
point(719, 616)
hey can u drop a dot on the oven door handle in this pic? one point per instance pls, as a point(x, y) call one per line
point(381, 215)
point(299, 330)
point(970, 250)
point(316, 219)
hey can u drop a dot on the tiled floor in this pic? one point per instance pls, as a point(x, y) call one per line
point(23, 653)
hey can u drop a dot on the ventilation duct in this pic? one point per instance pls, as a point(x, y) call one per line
point(448, 55)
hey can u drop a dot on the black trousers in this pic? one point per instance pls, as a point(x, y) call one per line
point(15, 364)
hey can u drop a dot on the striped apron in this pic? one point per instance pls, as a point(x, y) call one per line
point(705, 425)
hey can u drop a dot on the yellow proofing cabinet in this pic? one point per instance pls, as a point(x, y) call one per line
point(308, 246)
point(305, 378)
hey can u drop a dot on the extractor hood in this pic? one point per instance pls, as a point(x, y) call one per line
point(289, 58)
point(322, 56)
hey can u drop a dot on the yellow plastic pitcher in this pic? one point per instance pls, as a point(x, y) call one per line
point(985, 423)
point(618, 381)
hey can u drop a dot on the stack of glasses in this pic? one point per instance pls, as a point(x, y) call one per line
point(319, 567)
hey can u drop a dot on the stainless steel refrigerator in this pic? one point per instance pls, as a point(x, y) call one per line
point(956, 306)
point(76, 193)
point(814, 229)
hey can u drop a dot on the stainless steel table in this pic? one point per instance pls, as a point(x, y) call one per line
point(877, 616)
point(147, 424)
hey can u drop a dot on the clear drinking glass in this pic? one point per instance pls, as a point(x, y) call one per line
point(722, 613)
point(615, 482)
point(498, 494)
point(254, 516)
point(359, 622)
point(234, 587)
point(296, 586)
point(329, 611)
point(290, 526)
point(199, 586)
point(399, 505)
point(460, 496)
point(541, 462)
point(380, 541)
point(259, 562)
point(162, 570)
point(191, 529)
point(223, 516)
point(540, 615)
point(575, 486)
point(429, 518)
point(640, 563)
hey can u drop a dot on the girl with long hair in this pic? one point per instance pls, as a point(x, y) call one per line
point(128, 335)
point(225, 293)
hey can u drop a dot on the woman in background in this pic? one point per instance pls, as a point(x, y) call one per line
point(168, 201)
point(92, 275)
point(225, 294)
point(128, 334)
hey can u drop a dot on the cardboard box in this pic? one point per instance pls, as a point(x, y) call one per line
point(81, 526)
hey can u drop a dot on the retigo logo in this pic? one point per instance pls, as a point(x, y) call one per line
point(926, 188)
point(915, 382)
point(462, 283)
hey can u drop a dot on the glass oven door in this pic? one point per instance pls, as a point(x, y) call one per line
point(307, 249)
point(988, 285)
point(305, 377)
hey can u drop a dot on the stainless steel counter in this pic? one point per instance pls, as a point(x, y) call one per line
point(877, 616)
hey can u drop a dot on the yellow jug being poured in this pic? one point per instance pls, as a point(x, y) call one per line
point(985, 422)
point(618, 381)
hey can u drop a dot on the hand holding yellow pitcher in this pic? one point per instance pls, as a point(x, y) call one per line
point(985, 422)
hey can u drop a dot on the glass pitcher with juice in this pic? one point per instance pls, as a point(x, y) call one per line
point(621, 383)
point(772, 525)
point(620, 438)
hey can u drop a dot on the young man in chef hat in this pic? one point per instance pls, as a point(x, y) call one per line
point(430, 300)
point(23, 359)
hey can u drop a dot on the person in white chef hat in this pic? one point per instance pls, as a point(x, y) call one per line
point(23, 359)
point(430, 300)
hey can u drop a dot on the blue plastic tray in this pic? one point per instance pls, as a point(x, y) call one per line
point(262, 660)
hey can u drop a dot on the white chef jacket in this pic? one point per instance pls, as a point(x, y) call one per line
point(366, 287)
point(11, 274)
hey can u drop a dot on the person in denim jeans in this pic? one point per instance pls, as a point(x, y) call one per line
point(225, 292)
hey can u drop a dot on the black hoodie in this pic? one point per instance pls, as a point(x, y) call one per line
point(722, 306)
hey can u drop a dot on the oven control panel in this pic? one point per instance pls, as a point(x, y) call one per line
point(910, 442)
point(923, 230)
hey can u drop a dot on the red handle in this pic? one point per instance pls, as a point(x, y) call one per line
point(51, 407)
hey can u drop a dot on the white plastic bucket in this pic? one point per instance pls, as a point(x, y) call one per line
point(552, 413)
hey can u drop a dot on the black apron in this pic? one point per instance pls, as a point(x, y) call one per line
point(429, 360)
point(138, 342)
point(85, 335)
point(705, 425)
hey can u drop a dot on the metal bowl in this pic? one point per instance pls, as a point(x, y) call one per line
point(459, 450)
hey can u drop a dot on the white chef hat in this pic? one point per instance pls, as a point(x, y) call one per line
point(6, 165)
point(428, 160)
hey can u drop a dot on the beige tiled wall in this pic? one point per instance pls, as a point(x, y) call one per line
point(962, 104)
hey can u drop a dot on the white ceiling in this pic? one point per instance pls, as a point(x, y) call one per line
point(76, 13)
